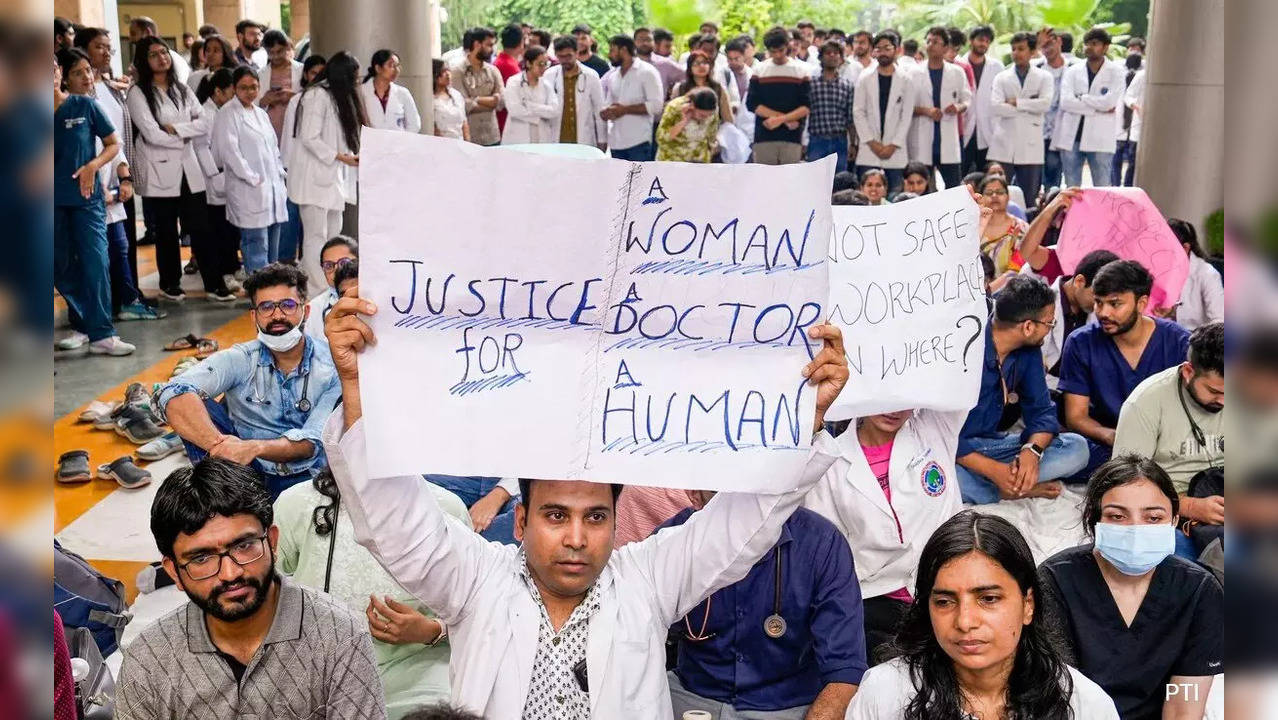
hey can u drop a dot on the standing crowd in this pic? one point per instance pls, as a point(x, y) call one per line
point(879, 587)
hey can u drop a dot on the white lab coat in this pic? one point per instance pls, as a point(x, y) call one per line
point(162, 160)
point(1017, 132)
point(978, 119)
point(286, 137)
point(315, 176)
point(954, 91)
point(244, 143)
point(1202, 299)
point(531, 111)
point(896, 129)
point(591, 129)
point(1135, 99)
point(400, 113)
point(475, 587)
point(320, 305)
point(1095, 103)
point(214, 177)
point(264, 78)
point(849, 496)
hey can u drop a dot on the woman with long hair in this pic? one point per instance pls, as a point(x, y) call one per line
point(1202, 300)
point(215, 92)
point(324, 156)
point(217, 54)
point(390, 106)
point(449, 106)
point(918, 179)
point(974, 644)
point(245, 143)
point(689, 127)
point(291, 235)
point(1004, 232)
point(168, 174)
point(531, 103)
point(699, 73)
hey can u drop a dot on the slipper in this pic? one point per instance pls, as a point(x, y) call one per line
point(123, 471)
point(183, 365)
point(73, 467)
point(97, 410)
point(204, 348)
point(186, 342)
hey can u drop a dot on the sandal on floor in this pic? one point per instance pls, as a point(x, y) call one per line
point(125, 472)
point(97, 410)
point(204, 348)
point(73, 467)
point(186, 342)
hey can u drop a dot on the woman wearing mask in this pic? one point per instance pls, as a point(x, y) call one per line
point(167, 173)
point(531, 104)
point(224, 237)
point(699, 69)
point(389, 106)
point(975, 643)
point(874, 185)
point(244, 142)
point(1004, 232)
point(449, 106)
point(324, 156)
point(1135, 617)
point(689, 127)
point(218, 54)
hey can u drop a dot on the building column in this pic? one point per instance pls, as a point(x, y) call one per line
point(223, 14)
point(90, 13)
point(1181, 155)
point(300, 19)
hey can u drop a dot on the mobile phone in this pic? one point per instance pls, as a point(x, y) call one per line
point(579, 672)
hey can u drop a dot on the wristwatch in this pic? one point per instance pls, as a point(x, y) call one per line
point(1038, 451)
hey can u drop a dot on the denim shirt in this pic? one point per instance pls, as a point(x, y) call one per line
point(261, 401)
point(1025, 375)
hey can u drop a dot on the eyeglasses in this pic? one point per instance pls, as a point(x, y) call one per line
point(244, 552)
point(266, 307)
point(330, 265)
point(994, 193)
point(1050, 325)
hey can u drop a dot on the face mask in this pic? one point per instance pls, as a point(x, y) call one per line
point(1135, 549)
point(281, 343)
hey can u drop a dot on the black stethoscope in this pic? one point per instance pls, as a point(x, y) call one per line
point(303, 404)
point(773, 625)
point(1199, 436)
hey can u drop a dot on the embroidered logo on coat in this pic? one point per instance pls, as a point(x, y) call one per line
point(933, 479)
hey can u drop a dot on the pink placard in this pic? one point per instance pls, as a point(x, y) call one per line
point(1125, 222)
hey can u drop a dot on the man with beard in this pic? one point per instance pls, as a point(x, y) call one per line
point(250, 643)
point(480, 85)
point(862, 41)
point(248, 38)
point(645, 46)
point(978, 121)
point(993, 464)
point(1103, 363)
point(276, 390)
point(1174, 418)
point(632, 90)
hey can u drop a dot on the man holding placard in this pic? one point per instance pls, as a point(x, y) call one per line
point(563, 626)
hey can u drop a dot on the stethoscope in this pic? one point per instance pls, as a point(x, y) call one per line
point(773, 625)
point(303, 404)
point(1199, 436)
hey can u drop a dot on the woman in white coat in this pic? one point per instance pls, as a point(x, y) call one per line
point(587, 95)
point(531, 103)
point(1018, 108)
point(884, 133)
point(389, 106)
point(167, 173)
point(244, 142)
point(324, 156)
point(218, 54)
point(217, 91)
point(938, 110)
point(1202, 299)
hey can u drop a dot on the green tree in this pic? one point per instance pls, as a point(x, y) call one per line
point(605, 17)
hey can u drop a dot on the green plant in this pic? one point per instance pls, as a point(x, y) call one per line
point(1214, 224)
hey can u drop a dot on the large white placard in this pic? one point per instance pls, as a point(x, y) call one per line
point(906, 287)
point(547, 317)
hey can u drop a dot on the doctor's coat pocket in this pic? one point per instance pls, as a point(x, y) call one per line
point(162, 174)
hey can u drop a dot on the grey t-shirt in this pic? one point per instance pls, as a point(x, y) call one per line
point(1154, 423)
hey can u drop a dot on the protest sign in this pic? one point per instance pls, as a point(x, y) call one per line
point(906, 287)
point(1125, 222)
point(548, 317)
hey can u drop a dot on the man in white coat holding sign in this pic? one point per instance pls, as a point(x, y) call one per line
point(1019, 100)
point(562, 626)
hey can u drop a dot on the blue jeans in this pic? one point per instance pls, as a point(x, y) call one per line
point(275, 484)
point(1051, 166)
point(1126, 153)
point(260, 246)
point(895, 177)
point(124, 287)
point(471, 490)
point(819, 147)
point(1066, 455)
point(81, 268)
point(1101, 164)
point(290, 234)
point(643, 152)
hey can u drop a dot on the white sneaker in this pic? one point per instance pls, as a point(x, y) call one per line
point(111, 346)
point(232, 283)
point(73, 341)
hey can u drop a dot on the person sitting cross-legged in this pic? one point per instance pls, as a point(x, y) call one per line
point(276, 390)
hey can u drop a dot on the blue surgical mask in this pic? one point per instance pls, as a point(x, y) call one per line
point(1135, 549)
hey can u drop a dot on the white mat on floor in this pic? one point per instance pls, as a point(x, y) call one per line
point(1049, 526)
point(119, 526)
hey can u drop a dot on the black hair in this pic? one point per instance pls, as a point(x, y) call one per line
point(622, 41)
point(903, 196)
point(88, 35)
point(1021, 299)
point(777, 37)
point(242, 72)
point(543, 37)
point(845, 180)
point(582, 28)
point(1123, 276)
point(662, 35)
point(206, 30)
point(380, 58)
point(338, 79)
point(1030, 39)
point(436, 69)
point(833, 46)
point(1039, 686)
point(531, 55)
point(1136, 40)
point(190, 496)
point(885, 35)
point(703, 98)
point(441, 711)
point(990, 178)
point(1098, 34)
point(310, 62)
point(145, 23)
point(349, 271)
point(910, 46)
point(736, 44)
point(177, 91)
point(275, 37)
point(984, 31)
point(805, 23)
point(336, 240)
point(1207, 348)
point(849, 196)
point(865, 34)
point(478, 35)
point(837, 31)
point(69, 58)
point(525, 491)
point(693, 40)
point(973, 178)
point(796, 35)
point(895, 35)
point(512, 36)
point(987, 267)
point(641, 29)
point(1067, 41)
point(714, 27)
point(958, 38)
point(219, 79)
point(874, 172)
point(228, 52)
point(689, 84)
point(918, 168)
point(709, 38)
point(940, 32)
point(1121, 470)
point(61, 25)
point(565, 42)
point(242, 26)
point(1186, 233)
point(273, 275)
point(1091, 264)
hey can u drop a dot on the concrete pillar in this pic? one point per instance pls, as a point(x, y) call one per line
point(1181, 156)
point(300, 19)
point(90, 13)
point(223, 14)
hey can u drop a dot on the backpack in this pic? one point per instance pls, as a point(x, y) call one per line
point(85, 598)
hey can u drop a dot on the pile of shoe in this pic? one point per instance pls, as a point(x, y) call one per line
point(135, 418)
point(73, 467)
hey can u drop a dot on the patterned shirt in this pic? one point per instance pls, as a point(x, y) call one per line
point(554, 693)
point(831, 109)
